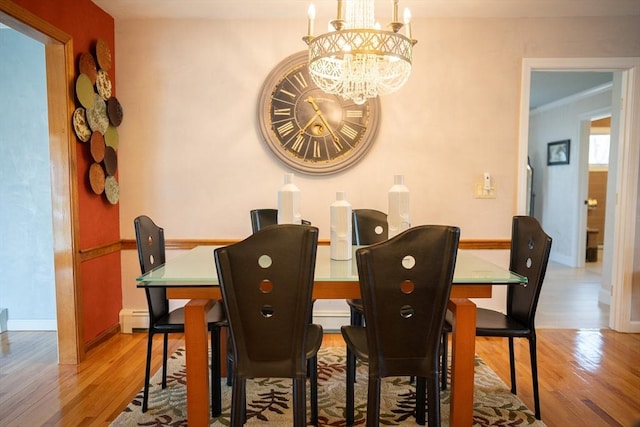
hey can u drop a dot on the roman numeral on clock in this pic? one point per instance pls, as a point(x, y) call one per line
point(285, 129)
point(349, 132)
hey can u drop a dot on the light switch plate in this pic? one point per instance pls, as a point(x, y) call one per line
point(483, 193)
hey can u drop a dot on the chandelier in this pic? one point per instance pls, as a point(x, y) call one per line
point(356, 59)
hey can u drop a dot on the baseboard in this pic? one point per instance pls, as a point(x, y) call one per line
point(132, 319)
point(634, 327)
point(32, 325)
point(3, 319)
point(604, 296)
point(102, 337)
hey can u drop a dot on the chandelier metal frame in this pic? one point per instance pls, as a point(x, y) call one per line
point(360, 63)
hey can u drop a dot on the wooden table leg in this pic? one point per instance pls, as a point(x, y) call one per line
point(197, 361)
point(462, 361)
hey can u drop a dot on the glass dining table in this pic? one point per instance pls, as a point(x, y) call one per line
point(192, 276)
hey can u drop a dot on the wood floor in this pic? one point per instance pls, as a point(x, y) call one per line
point(587, 377)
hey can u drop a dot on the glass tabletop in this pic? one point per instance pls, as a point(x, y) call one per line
point(197, 268)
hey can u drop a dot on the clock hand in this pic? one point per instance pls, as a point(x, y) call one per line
point(312, 101)
point(311, 120)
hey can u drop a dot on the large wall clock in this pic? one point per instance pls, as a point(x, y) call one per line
point(309, 130)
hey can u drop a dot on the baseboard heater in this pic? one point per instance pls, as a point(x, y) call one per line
point(132, 320)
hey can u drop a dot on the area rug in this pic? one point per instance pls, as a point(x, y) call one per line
point(269, 400)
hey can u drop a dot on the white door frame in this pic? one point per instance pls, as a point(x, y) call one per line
point(627, 176)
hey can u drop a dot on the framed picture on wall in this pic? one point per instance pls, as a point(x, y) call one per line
point(558, 152)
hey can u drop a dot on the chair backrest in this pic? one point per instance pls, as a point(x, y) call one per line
point(261, 218)
point(405, 284)
point(266, 283)
point(530, 248)
point(151, 254)
point(369, 226)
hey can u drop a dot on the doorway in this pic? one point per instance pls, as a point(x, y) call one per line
point(59, 61)
point(25, 214)
point(621, 210)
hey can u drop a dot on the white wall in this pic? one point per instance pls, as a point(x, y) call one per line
point(26, 234)
point(558, 202)
point(191, 155)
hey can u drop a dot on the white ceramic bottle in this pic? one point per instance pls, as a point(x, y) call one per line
point(341, 228)
point(289, 202)
point(398, 215)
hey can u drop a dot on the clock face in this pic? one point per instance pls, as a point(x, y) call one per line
point(308, 129)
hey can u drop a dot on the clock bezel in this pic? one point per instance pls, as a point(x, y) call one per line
point(326, 167)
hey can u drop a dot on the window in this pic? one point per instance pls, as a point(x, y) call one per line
point(599, 149)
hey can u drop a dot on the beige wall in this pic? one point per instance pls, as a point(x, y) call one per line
point(191, 155)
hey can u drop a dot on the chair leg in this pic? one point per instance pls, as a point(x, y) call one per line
point(433, 401)
point(445, 360)
point(421, 400)
point(238, 409)
point(147, 372)
point(351, 377)
point(534, 375)
point(373, 401)
point(512, 366)
point(313, 380)
point(164, 359)
point(299, 402)
point(216, 393)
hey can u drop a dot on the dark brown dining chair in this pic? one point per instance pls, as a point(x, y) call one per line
point(261, 218)
point(405, 284)
point(369, 226)
point(530, 248)
point(151, 254)
point(266, 282)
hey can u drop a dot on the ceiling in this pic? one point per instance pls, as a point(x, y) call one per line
point(270, 9)
point(549, 86)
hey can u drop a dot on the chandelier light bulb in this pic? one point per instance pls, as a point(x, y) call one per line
point(311, 12)
point(407, 21)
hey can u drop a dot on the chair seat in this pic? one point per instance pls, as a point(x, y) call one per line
point(314, 340)
point(493, 323)
point(356, 340)
point(174, 320)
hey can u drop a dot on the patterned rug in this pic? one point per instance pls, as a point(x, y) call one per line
point(269, 400)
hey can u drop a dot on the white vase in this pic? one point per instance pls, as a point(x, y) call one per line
point(289, 202)
point(398, 214)
point(341, 228)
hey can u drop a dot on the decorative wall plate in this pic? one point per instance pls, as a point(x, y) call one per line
point(103, 53)
point(84, 91)
point(103, 84)
point(114, 111)
point(96, 178)
point(97, 147)
point(111, 137)
point(110, 161)
point(88, 66)
point(97, 116)
point(112, 190)
point(80, 125)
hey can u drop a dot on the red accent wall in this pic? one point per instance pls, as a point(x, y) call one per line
point(99, 220)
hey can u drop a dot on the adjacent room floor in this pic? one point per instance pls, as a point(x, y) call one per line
point(569, 298)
